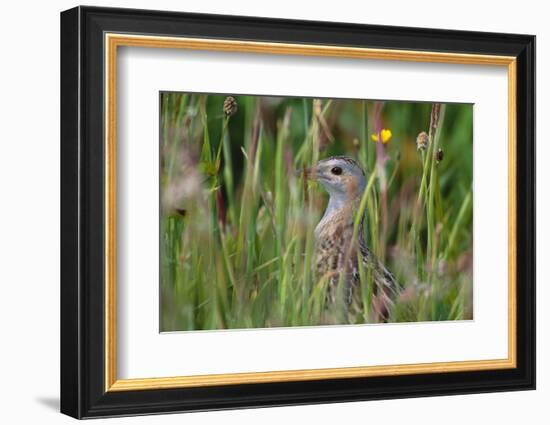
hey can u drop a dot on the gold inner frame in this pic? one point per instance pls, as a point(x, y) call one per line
point(113, 41)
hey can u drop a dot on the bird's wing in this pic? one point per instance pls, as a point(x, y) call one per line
point(386, 285)
point(381, 275)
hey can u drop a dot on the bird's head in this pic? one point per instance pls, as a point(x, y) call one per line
point(341, 176)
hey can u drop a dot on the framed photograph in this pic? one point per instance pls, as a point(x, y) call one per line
point(261, 212)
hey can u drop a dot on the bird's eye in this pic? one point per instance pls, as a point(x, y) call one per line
point(336, 170)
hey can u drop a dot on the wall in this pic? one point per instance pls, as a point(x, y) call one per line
point(29, 179)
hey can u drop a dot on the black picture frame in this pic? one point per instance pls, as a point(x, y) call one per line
point(83, 392)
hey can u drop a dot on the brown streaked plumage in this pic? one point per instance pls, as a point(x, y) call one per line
point(345, 182)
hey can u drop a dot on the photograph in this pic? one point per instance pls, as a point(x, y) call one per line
point(289, 211)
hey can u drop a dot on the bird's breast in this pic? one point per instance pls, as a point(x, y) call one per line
point(333, 240)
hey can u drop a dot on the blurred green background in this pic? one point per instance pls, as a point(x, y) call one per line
point(237, 222)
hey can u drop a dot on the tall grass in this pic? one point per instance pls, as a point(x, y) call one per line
point(237, 221)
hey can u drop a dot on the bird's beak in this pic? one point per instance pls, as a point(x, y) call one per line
point(309, 173)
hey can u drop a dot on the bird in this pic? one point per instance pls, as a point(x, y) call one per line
point(336, 252)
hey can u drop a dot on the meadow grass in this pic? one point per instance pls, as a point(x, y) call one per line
point(237, 221)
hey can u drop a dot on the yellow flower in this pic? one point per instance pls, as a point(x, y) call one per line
point(385, 134)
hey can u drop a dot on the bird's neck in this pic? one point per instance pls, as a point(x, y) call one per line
point(337, 203)
point(341, 209)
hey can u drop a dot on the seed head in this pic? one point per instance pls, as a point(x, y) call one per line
point(422, 141)
point(230, 106)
